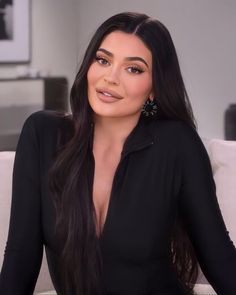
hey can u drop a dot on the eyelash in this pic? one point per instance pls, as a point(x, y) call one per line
point(99, 58)
point(134, 69)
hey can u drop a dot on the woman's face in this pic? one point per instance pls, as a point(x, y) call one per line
point(120, 77)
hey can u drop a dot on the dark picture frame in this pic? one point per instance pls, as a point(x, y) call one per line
point(15, 31)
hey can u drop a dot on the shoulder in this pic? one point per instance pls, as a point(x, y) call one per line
point(46, 119)
point(174, 130)
point(47, 126)
point(177, 136)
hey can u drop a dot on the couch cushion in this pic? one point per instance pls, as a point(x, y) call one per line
point(6, 166)
point(223, 159)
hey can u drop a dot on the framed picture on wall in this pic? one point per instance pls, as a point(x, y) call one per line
point(14, 31)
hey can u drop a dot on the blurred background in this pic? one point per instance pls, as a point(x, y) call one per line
point(203, 32)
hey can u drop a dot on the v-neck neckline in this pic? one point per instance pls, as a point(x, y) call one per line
point(138, 139)
point(109, 206)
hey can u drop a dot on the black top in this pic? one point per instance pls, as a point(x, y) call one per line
point(164, 169)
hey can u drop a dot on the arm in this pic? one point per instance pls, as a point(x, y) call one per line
point(200, 210)
point(23, 253)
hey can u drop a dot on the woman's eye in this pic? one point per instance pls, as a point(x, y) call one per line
point(135, 70)
point(101, 60)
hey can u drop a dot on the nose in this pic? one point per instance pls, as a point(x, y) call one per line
point(111, 77)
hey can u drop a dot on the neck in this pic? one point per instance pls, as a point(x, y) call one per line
point(113, 131)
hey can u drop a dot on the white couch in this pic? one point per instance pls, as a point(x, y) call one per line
point(223, 158)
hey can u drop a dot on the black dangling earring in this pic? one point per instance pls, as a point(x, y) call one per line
point(149, 108)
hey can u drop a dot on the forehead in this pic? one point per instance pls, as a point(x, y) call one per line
point(126, 45)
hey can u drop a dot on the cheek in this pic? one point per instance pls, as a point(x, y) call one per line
point(138, 88)
point(90, 75)
point(91, 80)
point(93, 74)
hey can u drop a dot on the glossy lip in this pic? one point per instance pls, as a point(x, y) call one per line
point(111, 92)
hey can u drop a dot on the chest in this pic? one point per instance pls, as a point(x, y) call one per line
point(137, 208)
point(104, 172)
point(135, 198)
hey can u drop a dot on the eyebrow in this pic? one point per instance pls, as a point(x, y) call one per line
point(130, 58)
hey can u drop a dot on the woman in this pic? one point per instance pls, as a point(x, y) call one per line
point(115, 190)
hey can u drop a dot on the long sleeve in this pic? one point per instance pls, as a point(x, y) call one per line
point(24, 248)
point(200, 210)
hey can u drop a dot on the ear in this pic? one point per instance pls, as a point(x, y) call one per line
point(151, 96)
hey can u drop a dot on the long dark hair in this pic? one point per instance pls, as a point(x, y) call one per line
point(71, 178)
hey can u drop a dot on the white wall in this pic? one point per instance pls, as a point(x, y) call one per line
point(54, 38)
point(204, 34)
